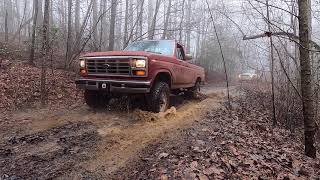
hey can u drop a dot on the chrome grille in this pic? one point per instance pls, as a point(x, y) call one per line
point(117, 66)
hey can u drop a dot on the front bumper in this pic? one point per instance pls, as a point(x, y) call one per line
point(114, 86)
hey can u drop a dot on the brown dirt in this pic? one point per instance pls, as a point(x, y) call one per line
point(82, 143)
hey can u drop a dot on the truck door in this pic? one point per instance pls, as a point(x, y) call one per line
point(186, 76)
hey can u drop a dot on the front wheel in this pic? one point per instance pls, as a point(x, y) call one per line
point(159, 98)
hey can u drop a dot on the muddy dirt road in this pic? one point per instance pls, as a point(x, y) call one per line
point(82, 143)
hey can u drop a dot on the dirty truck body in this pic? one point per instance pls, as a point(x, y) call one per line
point(152, 68)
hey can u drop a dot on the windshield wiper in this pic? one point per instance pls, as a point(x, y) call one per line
point(154, 52)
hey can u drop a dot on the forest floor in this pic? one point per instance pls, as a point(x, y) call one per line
point(198, 139)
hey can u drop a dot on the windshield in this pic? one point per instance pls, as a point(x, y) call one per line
point(159, 47)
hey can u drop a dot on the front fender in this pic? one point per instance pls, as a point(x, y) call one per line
point(157, 72)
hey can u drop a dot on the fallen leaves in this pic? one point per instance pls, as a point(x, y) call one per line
point(20, 87)
point(233, 150)
point(194, 165)
point(213, 170)
point(237, 144)
point(203, 177)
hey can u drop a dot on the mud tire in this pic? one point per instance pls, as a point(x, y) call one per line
point(95, 99)
point(193, 93)
point(159, 93)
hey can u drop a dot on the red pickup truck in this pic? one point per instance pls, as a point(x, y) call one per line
point(152, 68)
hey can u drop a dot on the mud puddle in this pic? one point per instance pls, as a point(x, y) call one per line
point(48, 154)
point(84, 143)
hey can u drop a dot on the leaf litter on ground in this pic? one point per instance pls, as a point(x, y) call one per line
point(228, 144)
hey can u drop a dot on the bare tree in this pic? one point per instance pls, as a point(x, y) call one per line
point(45, 51)
point(181, 21)
point(103, 23)
point(94, 25)
point(272, 67)
point(33, 38)
point(69, 36)
point(154, 20)
point(6, 30)
point(166, 23)
point(188, 26)
point(150, 16)
point(112, 24)
point(125, 35)
point(77, 18)
point(310, 126)
point(24, 22)
point(140, 18)
point(40, 15)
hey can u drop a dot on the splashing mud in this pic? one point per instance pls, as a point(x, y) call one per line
point(140, 115)
point(120, 132)
point(147, 128)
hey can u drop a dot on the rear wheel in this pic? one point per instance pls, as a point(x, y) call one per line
point(194, 91)
point(159, 98)
point(96, 99)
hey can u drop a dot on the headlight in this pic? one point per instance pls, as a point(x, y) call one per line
point(140, 63)
point(82, 63)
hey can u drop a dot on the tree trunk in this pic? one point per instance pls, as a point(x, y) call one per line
point(166, 23)
point(150, 17)
point(118, 27)
point(45, 50)
point(6, 30)
point(132, 21)
point(274, 120)
point(188, 26)
point(94, 24)
point(40, 15)
point(181, 22)
point(103, 4)
point(310, 126)
point(154, 20)
point(125, 35)
point(112, 24)
point(62, 18)
point(33, 38)
point(51, 21)
point(78, 46)
point(23, 21)
point(69, 36)
point(77, 18)
point(140, 16)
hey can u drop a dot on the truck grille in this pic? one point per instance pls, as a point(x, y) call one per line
point(109, 66)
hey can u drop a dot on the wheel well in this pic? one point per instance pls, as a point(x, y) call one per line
point(164, 77)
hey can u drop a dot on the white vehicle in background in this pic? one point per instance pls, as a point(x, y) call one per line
point(248, 76)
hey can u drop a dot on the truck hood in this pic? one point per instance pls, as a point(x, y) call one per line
point(121, 53)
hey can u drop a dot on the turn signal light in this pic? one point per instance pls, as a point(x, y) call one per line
point(83, 72)
point(140, 73)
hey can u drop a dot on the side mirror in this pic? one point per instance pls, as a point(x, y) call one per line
point(189, 57)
